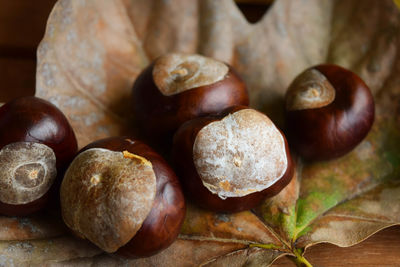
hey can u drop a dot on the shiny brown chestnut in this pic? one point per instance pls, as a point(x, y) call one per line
point(123, 196)
point(36, 144)
point(179, 87)
point(329, 111)
point(232, 161)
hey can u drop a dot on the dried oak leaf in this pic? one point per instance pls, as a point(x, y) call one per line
point(93, 50)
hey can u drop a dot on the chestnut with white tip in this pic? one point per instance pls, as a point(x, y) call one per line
point(122, 196)
point(329, 111)
point(232, 161)
point(178, 87)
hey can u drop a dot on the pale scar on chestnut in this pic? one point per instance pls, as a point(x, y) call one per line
point(33, 174)
point(96, 179)
point(241, 154)
point(27, 171)
point(309, 90)
point(175, 73)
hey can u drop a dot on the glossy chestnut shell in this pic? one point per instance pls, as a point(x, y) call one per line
point(182, 155)
point(162, 225)
point(334, 129)
point(159, 116)
point(31, 119)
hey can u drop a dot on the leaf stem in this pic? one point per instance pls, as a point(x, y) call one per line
point(299, 260)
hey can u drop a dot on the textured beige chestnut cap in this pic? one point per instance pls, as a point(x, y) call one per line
point(27, 171)
point(106, 196)
point(311, 89)
point(175, 72)
point(241, 154)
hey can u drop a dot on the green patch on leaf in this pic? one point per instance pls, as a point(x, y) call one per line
point(318, 202)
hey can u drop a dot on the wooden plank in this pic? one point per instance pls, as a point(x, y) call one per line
point(253, 12)
point(381, 249)
point(22, 26)
point(17, 78)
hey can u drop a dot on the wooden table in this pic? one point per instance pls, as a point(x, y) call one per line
point(22, 25)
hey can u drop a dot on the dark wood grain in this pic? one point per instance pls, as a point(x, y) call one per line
point(253, 11)
point(22, 25)
point(17, 77)
point(381, 249)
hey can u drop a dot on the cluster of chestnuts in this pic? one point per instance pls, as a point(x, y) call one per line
point(124, 197)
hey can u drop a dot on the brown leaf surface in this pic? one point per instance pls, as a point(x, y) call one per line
point(38, 226)
point(94, 49)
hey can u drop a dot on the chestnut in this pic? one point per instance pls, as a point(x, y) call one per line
point(179, 87)
point(36, 144)
point(329, 111)
point(122, 196)
point(231, 161)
